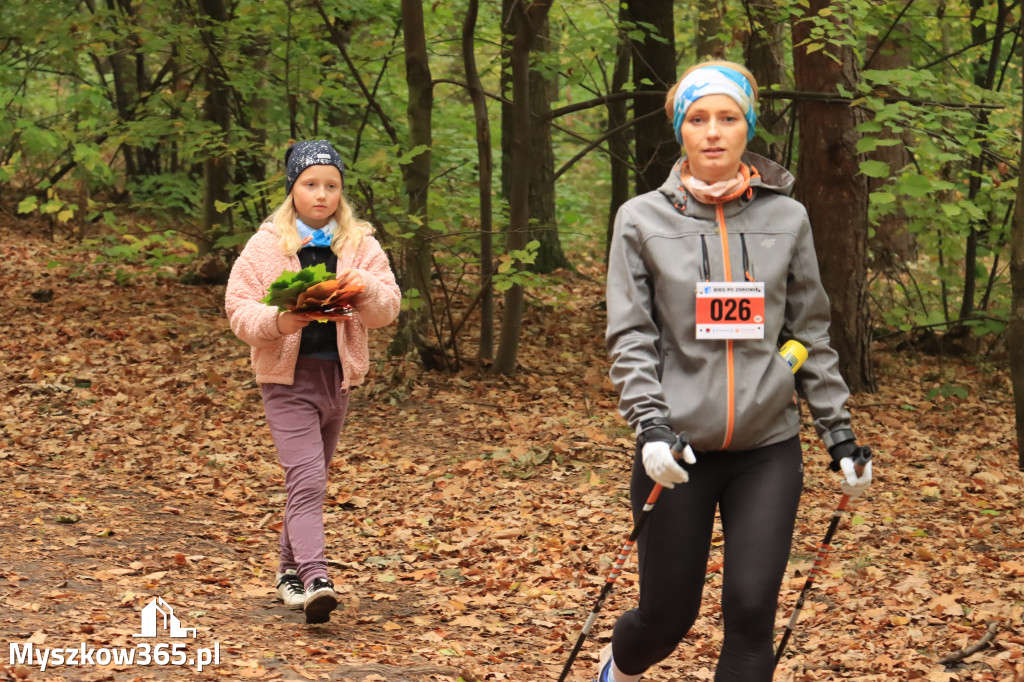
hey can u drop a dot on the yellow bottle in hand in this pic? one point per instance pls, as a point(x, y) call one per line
point(794, 353)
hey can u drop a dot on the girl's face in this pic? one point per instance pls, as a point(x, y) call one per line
point(714, 135)
point(316, 194)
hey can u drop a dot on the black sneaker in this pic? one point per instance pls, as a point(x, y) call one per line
point(290, 589)
point(321, 599)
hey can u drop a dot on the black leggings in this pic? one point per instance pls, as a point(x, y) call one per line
point(757, 492)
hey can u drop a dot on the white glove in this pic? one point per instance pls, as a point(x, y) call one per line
point(852, 484)
point(660, 463)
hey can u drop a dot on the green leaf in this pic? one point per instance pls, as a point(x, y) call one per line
point(28, 204)
point(867, 144)
point(874, 169)
point(917, 185)
point(871, 126)
point(951, 210)
point(408, 156)
point(51, 206)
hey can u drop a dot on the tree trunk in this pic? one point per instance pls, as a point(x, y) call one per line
point(217, 110)
point(543, 224)
point(120, 72)
point(892, 245)
point(543, 221)
point(710, 44)
point(618, 144)
point(656, 149)
point(485, 163)
point(835, 195)
point(250, 163)
point(1015, 330)
point(416, 254)
point(764, 57)
point(525, 19)
point(985, 71)
point(505, 87)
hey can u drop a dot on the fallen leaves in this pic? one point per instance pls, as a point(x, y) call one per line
point(470, 520)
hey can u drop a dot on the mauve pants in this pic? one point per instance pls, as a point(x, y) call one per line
point(305, 421)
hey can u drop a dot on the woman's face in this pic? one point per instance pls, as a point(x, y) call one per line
point(714, 135)
point(317, 193)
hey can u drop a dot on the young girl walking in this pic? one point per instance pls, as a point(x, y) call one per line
point(306, 364)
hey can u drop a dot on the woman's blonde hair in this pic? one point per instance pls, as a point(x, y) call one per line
point(670, 98)
point(348, 235)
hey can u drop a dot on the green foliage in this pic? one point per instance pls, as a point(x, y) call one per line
point(284, 290)
point(106, 108)
point(939, 200)
point(947, 391)
point(152, 251)
point(510, 271)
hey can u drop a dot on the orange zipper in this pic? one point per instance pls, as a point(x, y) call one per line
point(729, 369)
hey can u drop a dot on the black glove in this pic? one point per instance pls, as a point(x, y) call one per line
point(848, 448)
point(652, 430)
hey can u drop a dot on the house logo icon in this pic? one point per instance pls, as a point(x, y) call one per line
point(171, 624)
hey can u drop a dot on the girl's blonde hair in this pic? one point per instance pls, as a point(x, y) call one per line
point(670, 98)
point(348, 235)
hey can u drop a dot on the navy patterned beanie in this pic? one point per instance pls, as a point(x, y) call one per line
point(302, 155)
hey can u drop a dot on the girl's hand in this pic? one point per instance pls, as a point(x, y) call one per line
point(350, 276)
point(289, 322)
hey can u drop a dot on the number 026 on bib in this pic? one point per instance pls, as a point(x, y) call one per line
point(730, 310)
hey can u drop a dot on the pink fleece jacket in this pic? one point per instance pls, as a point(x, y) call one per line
point(274, 354)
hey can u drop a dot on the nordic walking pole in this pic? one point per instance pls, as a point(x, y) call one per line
point(863, 457)
point(677, 449)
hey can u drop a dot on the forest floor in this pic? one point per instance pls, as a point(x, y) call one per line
point(471, 520)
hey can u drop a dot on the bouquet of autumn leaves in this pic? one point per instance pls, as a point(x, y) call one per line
point(312, 290)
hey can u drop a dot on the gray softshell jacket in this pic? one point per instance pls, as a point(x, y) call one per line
point(725, 394)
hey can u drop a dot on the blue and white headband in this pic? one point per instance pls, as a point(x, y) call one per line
point(714, 80)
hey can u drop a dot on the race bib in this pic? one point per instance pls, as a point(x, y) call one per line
point(730, 310)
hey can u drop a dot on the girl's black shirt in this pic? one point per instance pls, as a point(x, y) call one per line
point(319, 339)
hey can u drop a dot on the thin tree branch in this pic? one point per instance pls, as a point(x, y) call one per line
point(571, 108)
point(602, 100)
point(957, 656)
point(596, 142)
point(365, 119)
point(949, 56)
point(892, 27)
point(793, 95)
point(370, 99)
point(807, 96)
